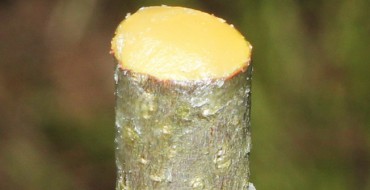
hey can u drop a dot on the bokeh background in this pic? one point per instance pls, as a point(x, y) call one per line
point(311, 91)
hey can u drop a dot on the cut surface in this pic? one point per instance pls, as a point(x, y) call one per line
point(176, 43)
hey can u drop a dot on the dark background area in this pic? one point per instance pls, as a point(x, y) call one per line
point(311, 91)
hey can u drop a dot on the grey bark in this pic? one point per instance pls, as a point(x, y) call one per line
point(182, 135)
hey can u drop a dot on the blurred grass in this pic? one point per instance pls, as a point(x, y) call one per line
point(310, 115)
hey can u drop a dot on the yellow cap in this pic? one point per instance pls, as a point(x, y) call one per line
point(176, 43)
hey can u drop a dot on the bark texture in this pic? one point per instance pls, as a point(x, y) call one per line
point(182, 135)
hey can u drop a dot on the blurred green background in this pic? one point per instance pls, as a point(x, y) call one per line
point(311, 91)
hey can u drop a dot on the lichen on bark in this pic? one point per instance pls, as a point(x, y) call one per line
point(182, 134)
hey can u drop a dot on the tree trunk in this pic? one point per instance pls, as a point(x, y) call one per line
point(179, 135)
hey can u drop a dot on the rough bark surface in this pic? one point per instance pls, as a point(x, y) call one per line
point(182, 135)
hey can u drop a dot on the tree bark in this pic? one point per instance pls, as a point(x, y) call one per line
point(180, 135)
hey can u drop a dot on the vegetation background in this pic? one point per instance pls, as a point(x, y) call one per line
point(311, 91)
